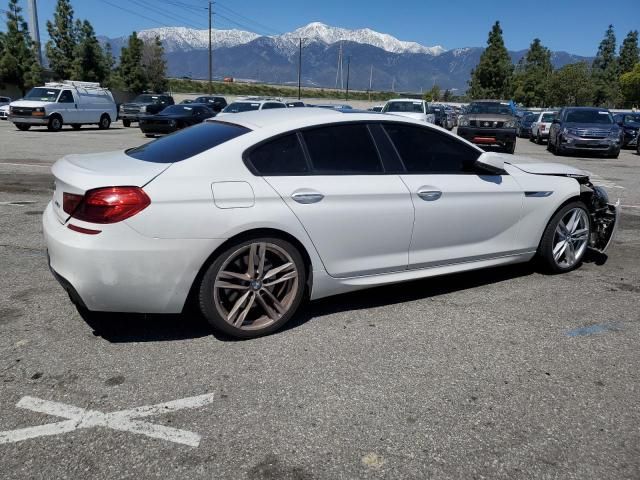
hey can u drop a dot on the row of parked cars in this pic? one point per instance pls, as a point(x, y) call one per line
point(497, 123)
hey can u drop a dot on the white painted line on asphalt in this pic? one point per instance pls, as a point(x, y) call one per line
point(630, 206)
point(25, 165)
point(123, 420)
point(18, 203)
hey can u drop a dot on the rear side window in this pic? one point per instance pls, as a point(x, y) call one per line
point(342, 150)
point(427, 151)
point(282, 156)
point(273, 105)
point(187, 143)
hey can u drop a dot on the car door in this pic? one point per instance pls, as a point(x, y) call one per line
point(358, 217)
point(68, 107)
point(461, 213)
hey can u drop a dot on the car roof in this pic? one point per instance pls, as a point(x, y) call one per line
point(405, 100)
point(286, 119)
point(587, 108)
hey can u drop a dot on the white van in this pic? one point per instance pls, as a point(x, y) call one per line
point(68, 102)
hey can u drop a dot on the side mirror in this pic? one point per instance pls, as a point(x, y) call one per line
point(491, 162)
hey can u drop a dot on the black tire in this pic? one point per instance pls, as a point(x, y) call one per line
point(105, 122)
point(23, 126)
point(207, 286)
point(557, 148)
point(149, 135)
point(76, 126)
point(510, 147)
point(538, 139)
point(615, 154)
point(55, 123)
point(126, 123)
point(545, 248)
point(549, 145)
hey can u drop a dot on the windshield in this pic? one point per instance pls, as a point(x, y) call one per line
point(411, 107)
point(187, 143)
point(529, 118)
point(491, 107)
point(178, 109)
point(43, 94)
point(632, 118)
point(147, 99)
point(236, 107)
point(589, 116)
point(547, 117)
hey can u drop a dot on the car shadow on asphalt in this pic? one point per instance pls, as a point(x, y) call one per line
point(127, 327)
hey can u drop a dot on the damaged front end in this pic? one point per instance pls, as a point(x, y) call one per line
point(604, 215)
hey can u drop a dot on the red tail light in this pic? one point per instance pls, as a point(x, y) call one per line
point(107, 205)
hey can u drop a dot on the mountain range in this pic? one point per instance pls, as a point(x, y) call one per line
point(390, 63)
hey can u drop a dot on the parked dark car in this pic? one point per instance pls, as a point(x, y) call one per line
point(215, 102)
point(523, 125)
point(630, 123)
point(174, 118)
point(145, 104)
point(585, 129)
point(490, 123)
point(295, 104)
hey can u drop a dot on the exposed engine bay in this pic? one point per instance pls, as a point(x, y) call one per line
point(604, 215)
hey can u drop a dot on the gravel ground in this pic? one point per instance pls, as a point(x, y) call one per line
point(501, 373)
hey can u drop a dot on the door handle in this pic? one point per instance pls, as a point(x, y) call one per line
point(307, 197)
point(429, 195)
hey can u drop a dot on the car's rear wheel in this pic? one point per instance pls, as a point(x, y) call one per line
point(126, 123)
point(23, 126)
point(105, 122)
point(566, 238)
point(253, 288)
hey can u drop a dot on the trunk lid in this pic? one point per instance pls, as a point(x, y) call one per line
point(78, 173)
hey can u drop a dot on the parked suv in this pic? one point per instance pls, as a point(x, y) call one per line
point(585, 129)
point(490, 123)
point(407, 107)
point(541, 125)
point(214, 102)
point(145, 104)
point(630, 123)
point(69, 102)
point(253, 103)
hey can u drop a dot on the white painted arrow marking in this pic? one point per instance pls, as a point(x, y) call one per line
point(123, 420)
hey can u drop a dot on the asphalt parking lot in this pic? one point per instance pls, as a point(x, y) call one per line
point(501, 373)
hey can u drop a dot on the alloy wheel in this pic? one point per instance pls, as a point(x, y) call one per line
point(255, 286)
point(571, 238)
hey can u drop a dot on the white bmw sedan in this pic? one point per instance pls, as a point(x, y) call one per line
point(253, 213)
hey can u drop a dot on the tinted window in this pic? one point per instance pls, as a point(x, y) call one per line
point(282, 156)
point(273, 105)
point(66, 97)
point(236, 107)
point(589, 116)
point(424, 150)
point(410, 107)
point(500, 108)
point(187, 143)
point(342, 149)
point(547, 117)
point(178, 110)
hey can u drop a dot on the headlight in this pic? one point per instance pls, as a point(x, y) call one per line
point(510, 124)
point(614, 134)
point(122, 108)
point(463, 122)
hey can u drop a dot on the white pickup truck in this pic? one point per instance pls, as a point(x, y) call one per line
point(56, 104)
point(540, 126)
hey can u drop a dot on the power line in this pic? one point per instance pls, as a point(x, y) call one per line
point(145, 4)
point(239, 15)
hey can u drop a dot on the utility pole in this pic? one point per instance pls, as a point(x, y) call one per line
point(300, 68)
point(348, 66)
point(370, 81)
point(339, 70)
point(210, 49)
point(34, 30)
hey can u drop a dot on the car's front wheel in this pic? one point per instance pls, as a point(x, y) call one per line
point(566, 238)
point(253, 287)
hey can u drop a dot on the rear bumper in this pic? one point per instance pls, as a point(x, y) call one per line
point(29, 120)
point(120, 270)
point(488, 136)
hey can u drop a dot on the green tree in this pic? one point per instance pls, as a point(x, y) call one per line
point(446, 97)
point(630, 84)
point(629, 52)
point(89, 62)
point(18, 60)
point(131, 71)
point(155, 65)
point(492, 76)
point(532, 76)
point(604, 71)
point(63, 36)
point(432, 95)
point(571, 86)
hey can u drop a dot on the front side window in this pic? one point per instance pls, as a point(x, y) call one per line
point(342, 150)
point(282, 156)
point(66, 97)
point(427, 151)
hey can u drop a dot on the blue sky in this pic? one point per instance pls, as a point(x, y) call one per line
point(573, 26)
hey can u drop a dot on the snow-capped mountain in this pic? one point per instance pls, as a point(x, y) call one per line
point(182, 38)
point(317, 31)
